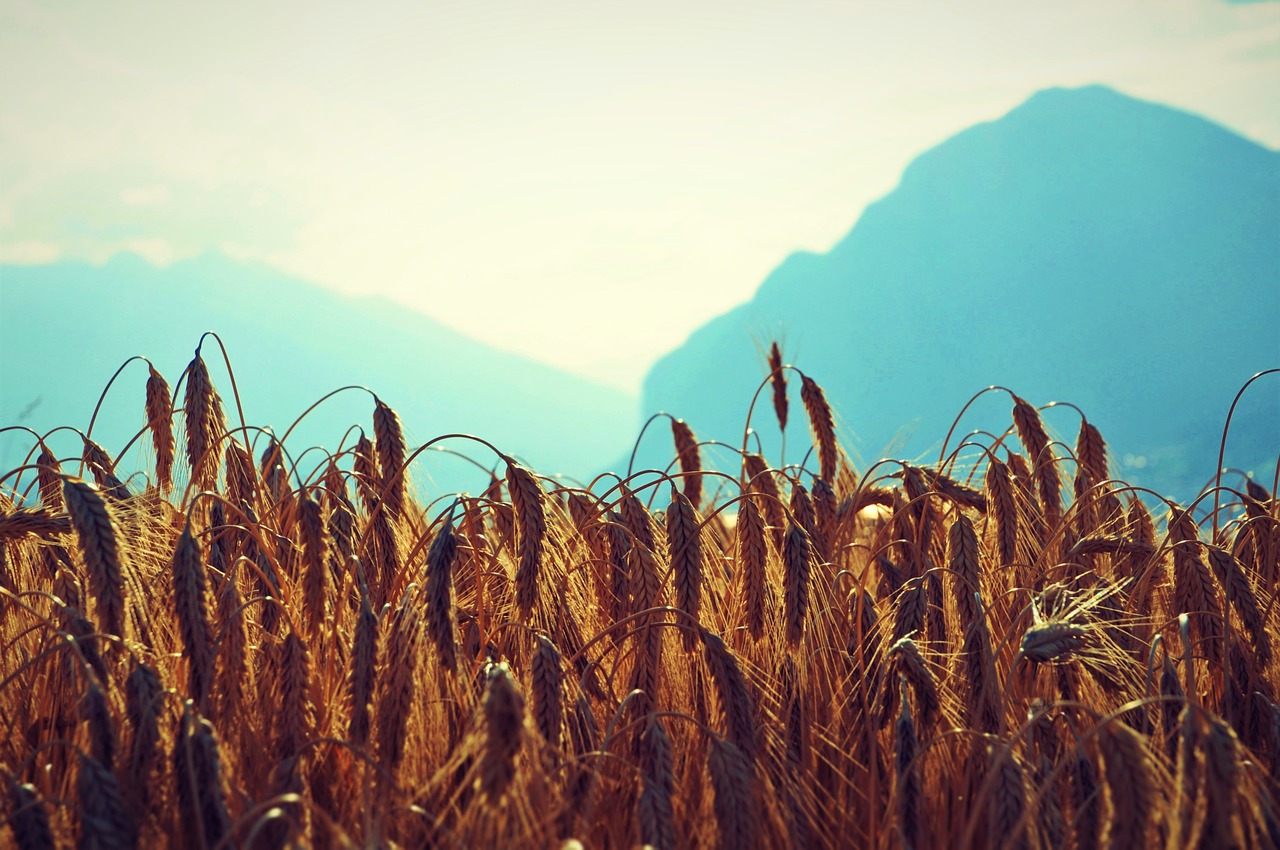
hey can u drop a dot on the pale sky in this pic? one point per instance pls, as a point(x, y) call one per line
point(581, 182)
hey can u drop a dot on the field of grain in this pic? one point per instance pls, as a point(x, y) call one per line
point(248, 645)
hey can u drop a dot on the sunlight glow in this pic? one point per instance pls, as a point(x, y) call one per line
point(583, 183)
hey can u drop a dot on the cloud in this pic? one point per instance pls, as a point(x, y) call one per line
point(91, 214)
point(29, 253)
point(157, 251)
point(145, 196)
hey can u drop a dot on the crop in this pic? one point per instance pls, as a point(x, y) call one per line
point(240, 646)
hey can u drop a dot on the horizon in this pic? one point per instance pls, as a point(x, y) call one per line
point(483, 164)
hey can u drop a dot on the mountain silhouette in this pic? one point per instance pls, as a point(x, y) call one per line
point(1087, 247)
point(68, 326)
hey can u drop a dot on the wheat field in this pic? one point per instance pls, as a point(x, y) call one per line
point(246, 646)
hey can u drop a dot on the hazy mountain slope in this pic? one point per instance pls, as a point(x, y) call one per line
point(68, 326)
point(1086, 247)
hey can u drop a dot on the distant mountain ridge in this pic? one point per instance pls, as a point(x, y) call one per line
point(1086, 247)
point(68, 326)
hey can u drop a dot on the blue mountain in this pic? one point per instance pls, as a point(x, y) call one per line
point(1086, 247)
point(68, 326)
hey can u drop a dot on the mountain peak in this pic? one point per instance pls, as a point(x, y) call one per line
point(1087, 131)
point(1056, 250)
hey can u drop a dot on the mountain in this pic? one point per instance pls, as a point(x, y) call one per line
point(68, 326)
point(1086, 247)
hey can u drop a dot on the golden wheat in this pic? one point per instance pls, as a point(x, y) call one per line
point(207, 651)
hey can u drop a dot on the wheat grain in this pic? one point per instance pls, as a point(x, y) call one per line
point(778, 380)
point(1008, 801)
point(439, 589)
point(144, 695)
point(654, 811)
point(363, 673)
point(504, 726)
point(1194, 592)
point(684, 544)
point(190, 603)
point(206, 424)
point(49, 476)
point(1130, 787)
point(391, 447)
point(690, 460)
point(1043, 464)
point(102, 468)
point(908, 814)
point(529, 502)
point(636, 518)
point(1242, 597)
point(102, 729)
point(198, 775)
point(548, 710)
point(314, 535)
point(28, 818)
point(760, 480)
point(400, 660)
point(823, 427)
point(796, 561)
point(735, 700)
point(104, 822)
point(242, 486)
point(752, 557)
point(159, 409)
point(20, 522)
point(96, 528)
point(733, 779)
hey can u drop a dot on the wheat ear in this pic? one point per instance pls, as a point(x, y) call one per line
point(190, 601)
point(690, 460)
point(529, 502)
point(159, 408)
point(97, 531)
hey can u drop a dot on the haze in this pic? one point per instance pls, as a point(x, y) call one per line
point(582, 183)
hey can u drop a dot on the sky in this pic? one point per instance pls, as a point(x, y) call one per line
point(582, 182)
